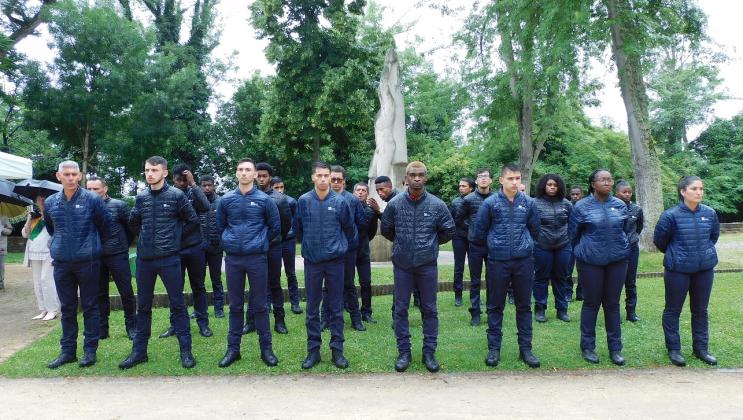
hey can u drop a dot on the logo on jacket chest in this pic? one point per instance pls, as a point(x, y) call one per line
point(331, 208)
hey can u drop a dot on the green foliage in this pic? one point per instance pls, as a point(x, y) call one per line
point(84, 98)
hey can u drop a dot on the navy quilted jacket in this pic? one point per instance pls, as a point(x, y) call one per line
point(293, 209)
point(507, 227)
point(360, 218)
point(285, 215)
point(554, 214)
point(192, 234)
point(688, 238)
point(600, 231)
point(158, 217)
point(208, 219)
point(78, 226)
point(470, 208)
point(416, 228)
point(462, 224)
point(120, 238)
point(323, 226)
point(247, 222)
point(636, 221)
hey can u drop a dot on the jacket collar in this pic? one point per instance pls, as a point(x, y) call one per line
point(161, 190)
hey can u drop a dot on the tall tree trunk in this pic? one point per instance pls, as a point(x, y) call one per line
point(644, 155)
point(523, 98)
point(86, 149)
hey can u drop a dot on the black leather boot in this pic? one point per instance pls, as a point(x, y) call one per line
point(676, 358)
point(632, 315)
point(403, 362)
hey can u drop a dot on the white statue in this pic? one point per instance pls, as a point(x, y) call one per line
point(391, 153)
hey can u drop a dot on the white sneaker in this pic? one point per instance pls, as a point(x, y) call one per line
point(50, 316)
point(40, 316)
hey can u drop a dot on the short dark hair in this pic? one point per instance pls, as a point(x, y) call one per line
point(180, 168)
point(276, 180)
point(339, 169)
point(263, 166)
point(469, 181)
point(483, 169)
point(592, 178)
point(510, 167)
point(542, 185)
point(577, 187)
point(684, 183)
point(157, 160)
point(382, 179)
point(361, 184)
point(319, 165)
point(97, 178)
point(244, 160)
point(621, 184)
point(207, 178)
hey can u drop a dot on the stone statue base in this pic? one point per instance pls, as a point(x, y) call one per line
point(381, 249)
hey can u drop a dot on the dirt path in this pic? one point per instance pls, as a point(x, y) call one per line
point(663, 393)
point(17, 307)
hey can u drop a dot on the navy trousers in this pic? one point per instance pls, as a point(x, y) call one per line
point(68, 278)
point(552, 268)
point(425, 279)
point(331, 274)
point(116, 266)
point(256, 268)
point(274, 295)
point(363, 267)
point(460, 246)
point(519, 274)
point(193, 259)
point(477, 255)
point(288, 254)
point(602, 287)
point(350, 297)
point(630, 282)
point(169, 270)
point(699, 287)
point(214, 263)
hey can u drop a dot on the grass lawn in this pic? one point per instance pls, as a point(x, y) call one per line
point(461, 347)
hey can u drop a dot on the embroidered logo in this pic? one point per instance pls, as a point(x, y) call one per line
point(165, 205)
point(77, 206)
point(330, 208)
point(252, 203)
point(426, 214)
point(704, 219)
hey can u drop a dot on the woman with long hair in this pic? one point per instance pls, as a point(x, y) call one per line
point(687, 234)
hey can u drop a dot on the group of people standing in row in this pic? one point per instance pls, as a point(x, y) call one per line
point(524, 243)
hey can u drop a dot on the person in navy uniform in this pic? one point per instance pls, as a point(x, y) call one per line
point(363, 256)
point(636, 220)
point(78, 222)
point(324, 225)
point(552, 250)
point(193, 253)
point(416, 222)
point(508, 222)
point(576, 194)
point(360, 224)
point(159, 214)
point(289, 249)
point(599, 231)
point(248, 220)
point(459, 241)
point(115, 260)
point(687, 234)
point(264, 172)
point(212, 246)
point(477, 253)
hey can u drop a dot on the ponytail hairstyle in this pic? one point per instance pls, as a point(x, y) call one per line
point(592, 178)
point(684, 183)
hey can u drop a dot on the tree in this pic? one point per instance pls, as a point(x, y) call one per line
point(684, 85)
point(539, 46)
point(19, 21)
point(322, 100)
point(637, 29)
point(95, 79)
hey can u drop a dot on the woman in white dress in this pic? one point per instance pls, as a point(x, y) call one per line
point(38, 258)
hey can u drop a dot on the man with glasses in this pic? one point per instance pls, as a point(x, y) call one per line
point(477, 254)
